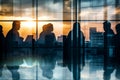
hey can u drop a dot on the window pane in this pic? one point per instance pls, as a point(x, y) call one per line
point(50, 9)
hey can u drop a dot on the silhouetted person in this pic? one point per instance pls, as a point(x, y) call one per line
point(2, 53)
point(13, 56)
point(117, 51)
point(75, 42)
point(108, 50)
point(50, 36)
point(48, 56)
point(41, 39)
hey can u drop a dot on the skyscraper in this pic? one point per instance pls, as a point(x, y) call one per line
point(96, 38)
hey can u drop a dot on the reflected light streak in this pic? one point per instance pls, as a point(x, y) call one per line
point(25, 64)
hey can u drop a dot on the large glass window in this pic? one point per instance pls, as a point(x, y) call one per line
point(40, 62)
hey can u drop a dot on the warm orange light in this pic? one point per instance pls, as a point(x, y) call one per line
point(28, 24)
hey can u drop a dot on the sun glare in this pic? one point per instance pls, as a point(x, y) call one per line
point(28, 24)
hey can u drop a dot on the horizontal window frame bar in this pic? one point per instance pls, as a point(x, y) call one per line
point(55, 20)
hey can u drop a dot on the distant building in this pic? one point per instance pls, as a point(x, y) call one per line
point(87, 43)
point(96, 38)
point(60, 40)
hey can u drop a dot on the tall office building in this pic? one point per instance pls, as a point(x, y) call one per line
point(96, 38)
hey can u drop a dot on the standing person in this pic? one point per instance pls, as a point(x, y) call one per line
point(108, 50)
point(117, 51)
point(2, 53)
point(13, 59)
point(75, 43)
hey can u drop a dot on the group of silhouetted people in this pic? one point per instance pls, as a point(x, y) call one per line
point(12, 54)
point(48, 54)
point(73, 50)
point(111, 51)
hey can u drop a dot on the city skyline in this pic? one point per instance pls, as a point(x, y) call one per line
point(76, 37)
point(59, 12)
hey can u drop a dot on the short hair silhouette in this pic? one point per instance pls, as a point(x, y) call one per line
point(76, 26)
point(50, 27)
point(107, 25)
point(44, 27)
point(15, 24)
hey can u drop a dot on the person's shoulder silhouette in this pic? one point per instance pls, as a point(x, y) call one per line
point(107, 28)
point(118, 29)
point(13, 34)
point(2, 44)
point(2, 38)
point(117, 40)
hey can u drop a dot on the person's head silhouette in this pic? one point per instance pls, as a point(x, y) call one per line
point(16, 25)
point(118, 28)
point(50, 27)
point(44, 28)
point(1, 28)
point(107, 26)
point(76, 26)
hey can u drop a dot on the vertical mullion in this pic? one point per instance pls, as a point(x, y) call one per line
point(36, 19)
point(117, 2)
point(33, 6)
point(75, 3)
point(105, 10)
point(36, 34)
